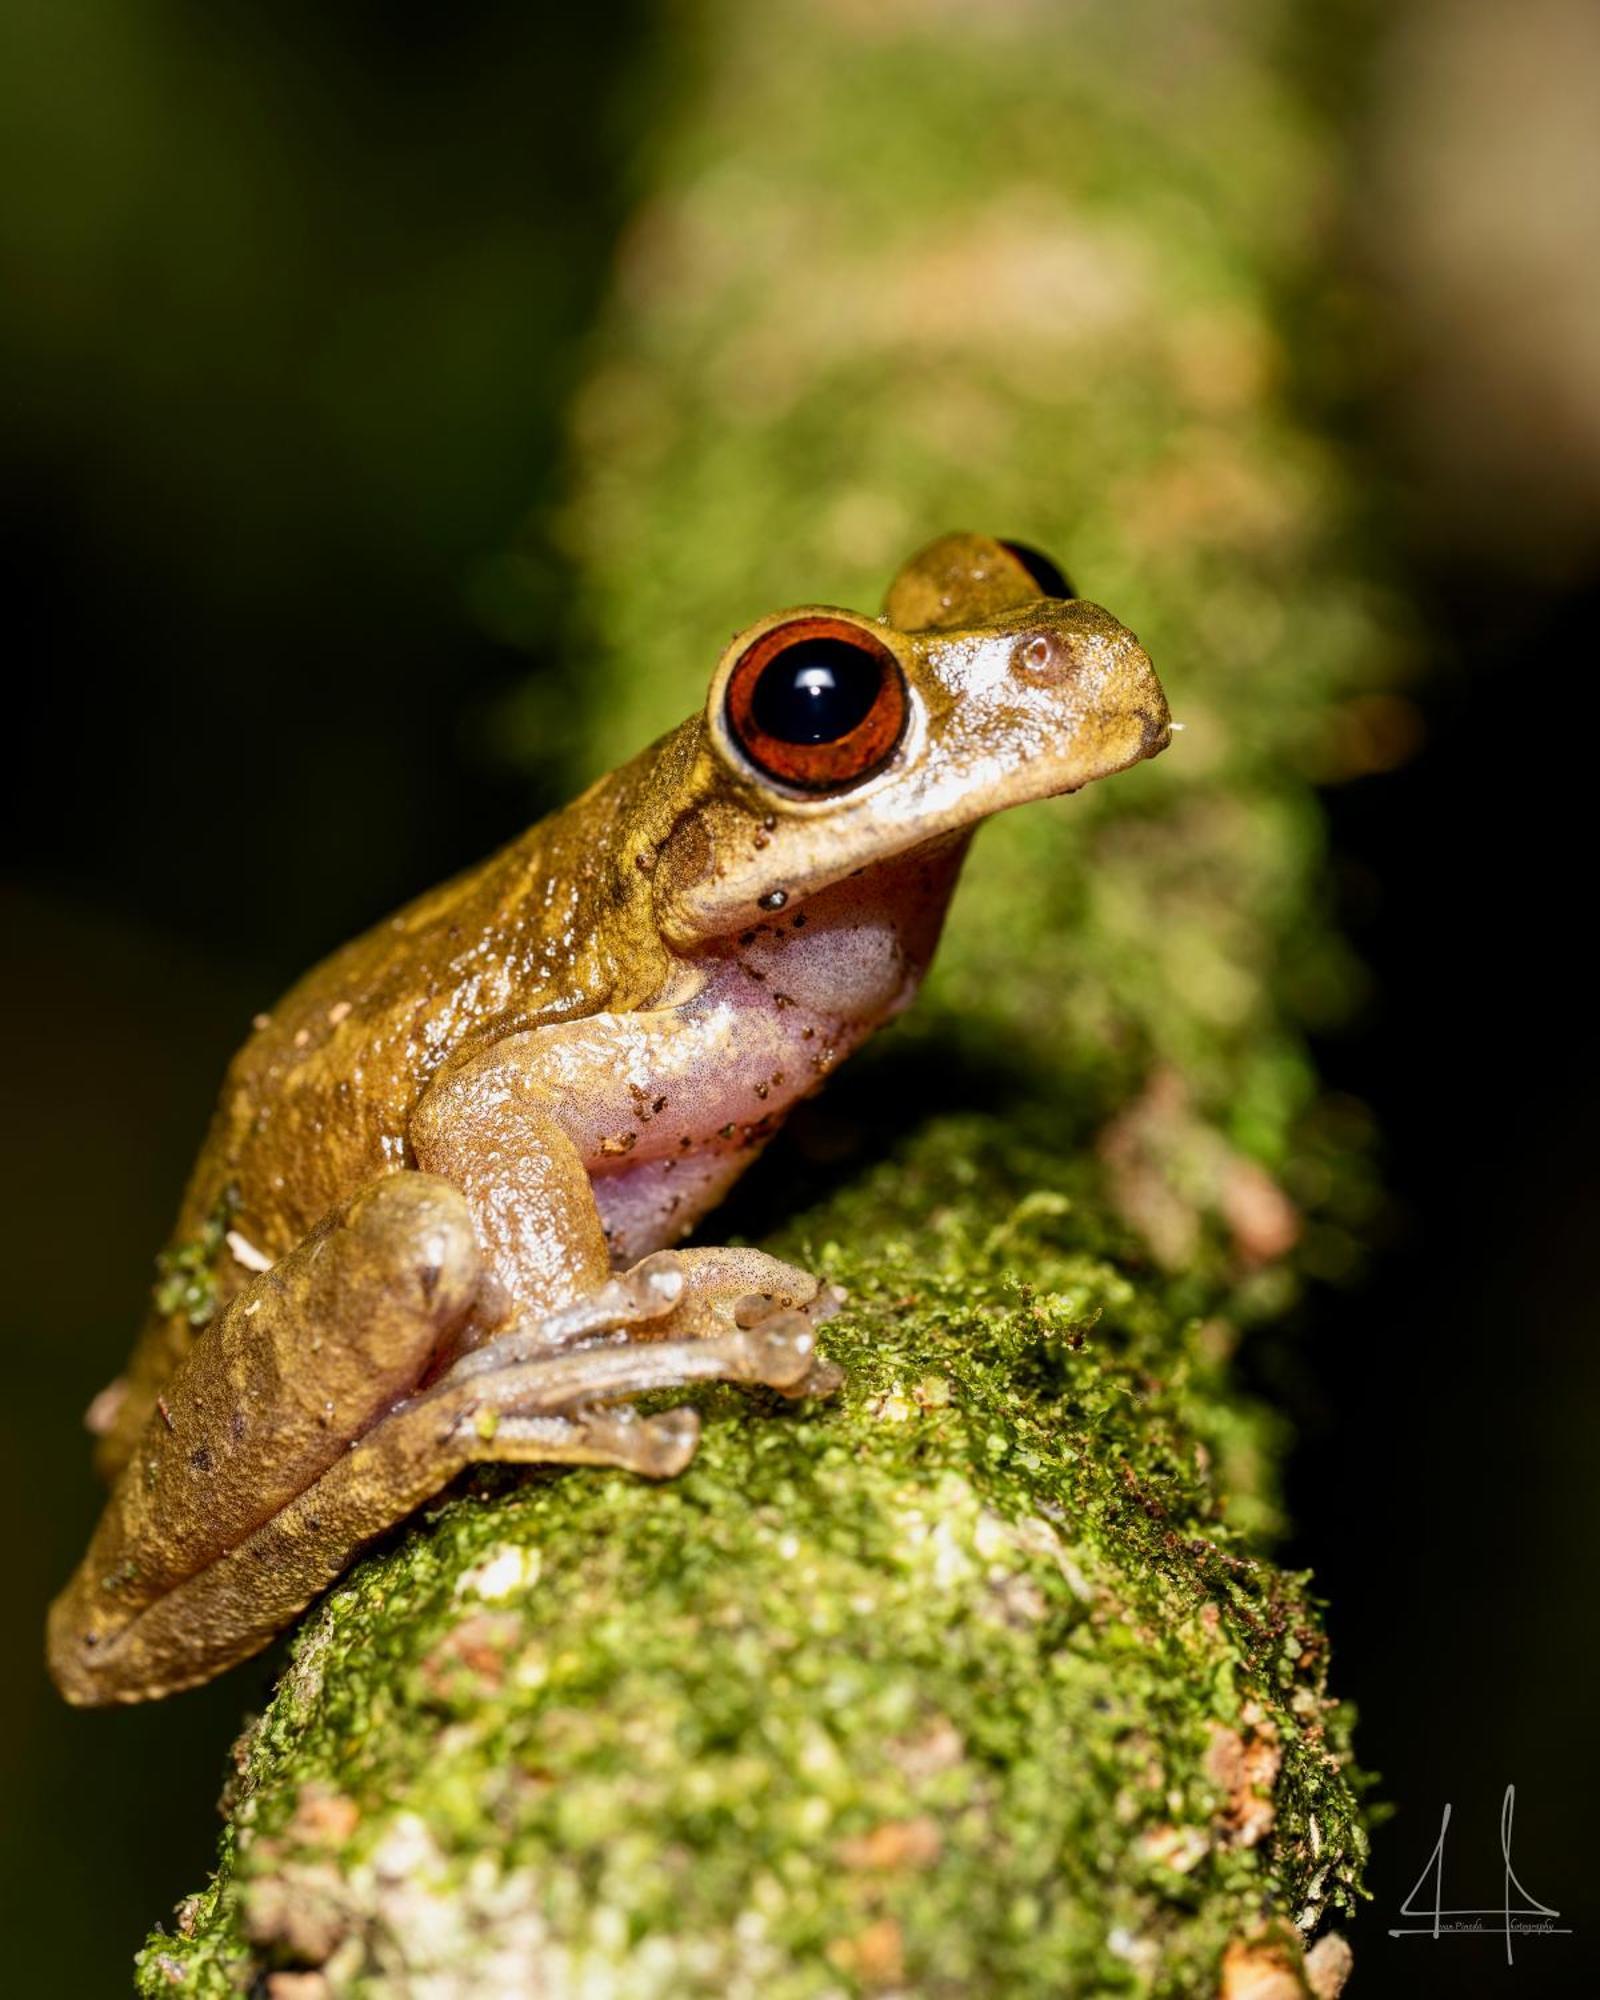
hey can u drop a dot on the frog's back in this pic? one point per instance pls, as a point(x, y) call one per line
point(320, 1098)
point(319, 1101)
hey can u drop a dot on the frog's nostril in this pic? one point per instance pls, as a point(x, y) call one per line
point(1044, 658)
point(1156, 731)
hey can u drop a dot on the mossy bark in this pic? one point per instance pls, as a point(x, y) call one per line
point(979, 1679)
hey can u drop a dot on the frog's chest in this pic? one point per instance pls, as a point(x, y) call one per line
point(684, 1101)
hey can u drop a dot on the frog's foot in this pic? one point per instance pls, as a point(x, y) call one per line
point(562, 1408)
point(702, 1295)
point(517, 1375)
point(747, 1288)
point(654, 1447)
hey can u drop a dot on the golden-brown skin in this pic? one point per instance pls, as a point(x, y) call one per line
point(430, 1222)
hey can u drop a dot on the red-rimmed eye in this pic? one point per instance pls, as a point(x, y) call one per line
point(817, 703)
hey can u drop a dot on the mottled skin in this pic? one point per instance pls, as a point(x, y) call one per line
point(430, 1221)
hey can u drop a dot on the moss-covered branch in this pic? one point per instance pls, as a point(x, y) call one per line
point(980, 1679)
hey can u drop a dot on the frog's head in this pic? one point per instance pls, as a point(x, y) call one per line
point(832, 741)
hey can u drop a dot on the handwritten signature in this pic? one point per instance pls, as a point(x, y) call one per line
point(1519, 1915)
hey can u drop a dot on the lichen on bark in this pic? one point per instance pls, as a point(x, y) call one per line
point(981, 1678)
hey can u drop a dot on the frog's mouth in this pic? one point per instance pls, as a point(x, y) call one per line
point(1044, 701)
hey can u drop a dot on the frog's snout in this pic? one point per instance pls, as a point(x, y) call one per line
point(1103, 675)
point(1139, 694)
point(1094, 695)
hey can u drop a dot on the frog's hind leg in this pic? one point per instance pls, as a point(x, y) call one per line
point(549, 1411)
point(308, 1355)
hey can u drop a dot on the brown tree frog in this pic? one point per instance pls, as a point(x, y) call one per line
point(433, 1221)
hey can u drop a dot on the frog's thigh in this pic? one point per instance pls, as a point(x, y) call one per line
point(309, 1355)
point(487, 1129)
point(542, 1412)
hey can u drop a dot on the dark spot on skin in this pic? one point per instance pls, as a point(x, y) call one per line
point(762, 1089)
point(313, 1522)
point(646, 861)
point(781, 1000)
point(807, 1034)
point(91, 1638)
point(800, 921)
point(747, 937)
point(237, 1425)
point(750, 972)
point(428, 1277)
point(774, 899)
point(657, 1106)
point(769, 822)
point(685, 1143)
point(761, 840)
point(200, 1459)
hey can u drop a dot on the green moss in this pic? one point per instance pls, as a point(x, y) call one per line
point(980, 1679)
point(186, 1275)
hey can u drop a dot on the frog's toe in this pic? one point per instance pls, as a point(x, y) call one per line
point(783, 1350)
point(611, 1434)
point(754, 1307)
point(667, 1443)
point(757, 1310)
point(739, 1288)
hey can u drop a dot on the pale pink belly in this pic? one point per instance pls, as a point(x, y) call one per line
point(691, 1096)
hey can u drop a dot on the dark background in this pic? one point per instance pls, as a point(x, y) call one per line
point(260, 456)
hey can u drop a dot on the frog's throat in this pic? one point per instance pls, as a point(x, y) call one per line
point(726, 870)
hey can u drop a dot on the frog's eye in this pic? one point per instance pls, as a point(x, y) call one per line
point(817, 703)
point(1044, 573)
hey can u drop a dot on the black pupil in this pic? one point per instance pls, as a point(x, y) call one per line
point(815, 691)
point(1041, 569)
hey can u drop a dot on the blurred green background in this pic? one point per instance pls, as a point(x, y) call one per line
point(294, 298)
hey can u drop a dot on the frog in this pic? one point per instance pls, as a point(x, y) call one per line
point(439, 1219)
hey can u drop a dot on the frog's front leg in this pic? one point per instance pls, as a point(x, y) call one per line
point(526, 1131)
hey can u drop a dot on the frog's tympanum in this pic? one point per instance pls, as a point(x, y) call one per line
point(431, 1223)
